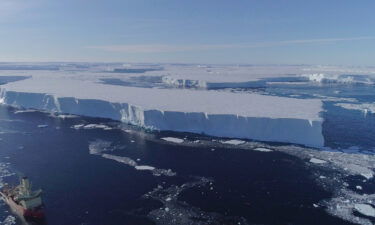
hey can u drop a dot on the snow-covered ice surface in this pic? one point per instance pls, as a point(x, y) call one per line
point(217, 113)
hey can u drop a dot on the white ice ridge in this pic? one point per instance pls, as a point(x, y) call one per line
point(224, 114)
point(340, 78)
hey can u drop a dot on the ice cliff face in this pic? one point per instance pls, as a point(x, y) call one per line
point(291, 130)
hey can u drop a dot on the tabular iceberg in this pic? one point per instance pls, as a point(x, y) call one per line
point(216, 113)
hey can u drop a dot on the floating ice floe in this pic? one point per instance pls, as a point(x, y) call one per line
point(346, 203)
point(174, 211)
point(130, 162)
point(367, 174)
point(317, 161)
point(334, 99)
point(9, 220)
point(260, 149)
point(143, 167)
point(42, 126)
point(341, 165)
point(91, 126)
point(98, 146)
point(365, 209)
point(121, 159)
point(66, 116)
point(234, 142)
point(78, 126)
point(25, 111)
point(4, 172)
point(97, 126)
point(173, 139)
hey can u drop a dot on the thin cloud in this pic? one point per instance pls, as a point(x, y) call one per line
point(13, 9)
point(160, 48)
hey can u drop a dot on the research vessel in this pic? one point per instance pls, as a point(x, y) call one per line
point(23, 201)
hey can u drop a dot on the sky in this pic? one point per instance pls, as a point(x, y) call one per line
point(330, 32)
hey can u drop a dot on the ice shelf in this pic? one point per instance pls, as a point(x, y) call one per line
point(217, 113)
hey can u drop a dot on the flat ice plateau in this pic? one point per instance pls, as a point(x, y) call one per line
point(184, 98)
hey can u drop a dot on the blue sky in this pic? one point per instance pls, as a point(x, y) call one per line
point(340, 32)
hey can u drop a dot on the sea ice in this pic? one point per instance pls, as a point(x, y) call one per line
point(99, 146)
point(78, 126)
point(339, 78)
point(260, 149)
point(25, 111)
point(233, 142)
point(130, 162)
point(144, 167)
point(365, 209)
point(364, 107)
point(173, 139)
point(175, 211)
point(66, 116)
point(91, 126)
point(125, 160)
point(317, 161)
point(9, 220)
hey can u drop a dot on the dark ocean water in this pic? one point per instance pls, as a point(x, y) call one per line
point(211, 186)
